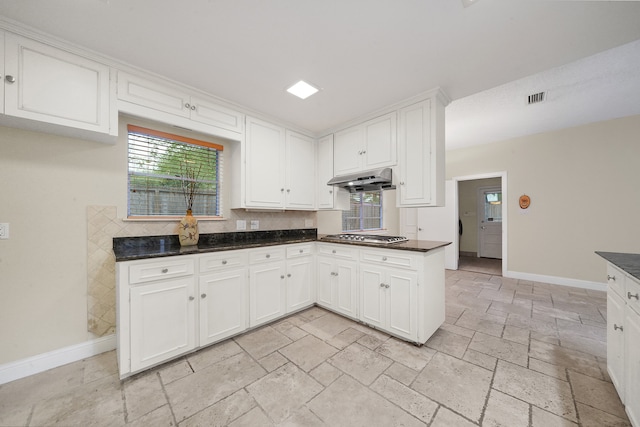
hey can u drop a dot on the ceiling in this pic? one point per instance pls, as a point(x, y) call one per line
point(367, 54)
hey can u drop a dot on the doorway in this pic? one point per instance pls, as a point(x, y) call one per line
point(481, 216)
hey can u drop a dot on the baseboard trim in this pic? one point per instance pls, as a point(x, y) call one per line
point(42, 362)
point(555, 280)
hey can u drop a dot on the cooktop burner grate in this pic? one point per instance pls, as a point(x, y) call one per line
point(366, 238)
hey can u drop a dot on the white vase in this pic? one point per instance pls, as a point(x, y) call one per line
point(188, 230)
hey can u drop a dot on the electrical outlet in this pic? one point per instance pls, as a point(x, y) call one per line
point(241, 224)
point(4, 230)
point(255, 224)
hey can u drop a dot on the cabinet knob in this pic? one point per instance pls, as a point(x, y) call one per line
point(630, 295)
point(364, 151)
point(616, 327)
point(301, 250)
point(386, 286)
point(187, 106)
point(419, 229)
point(224, 261)
point(282, 190)
point(193, 108)
point(611, 278)
point(10, 79)
point(191, 298)
point(401, 182)
point(333, 251)
point(289, 275)
point(330, 191)
point(165, 270)
point(288, 190)
point(384, 258)
point(382, 285)
point(203, 295)
point(282, 277)
point(268, 255)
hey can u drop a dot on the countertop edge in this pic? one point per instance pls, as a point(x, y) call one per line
point(627, 262)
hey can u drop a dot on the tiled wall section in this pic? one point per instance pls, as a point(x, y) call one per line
point(103, 225)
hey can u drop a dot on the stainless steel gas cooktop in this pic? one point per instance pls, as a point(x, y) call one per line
point(366, 238)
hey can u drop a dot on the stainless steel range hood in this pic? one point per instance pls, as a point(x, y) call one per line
point(376, 179)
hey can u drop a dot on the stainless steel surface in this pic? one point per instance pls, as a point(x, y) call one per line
point(376, 179)
point(10, 79)
point(365, 238)
point(616, 327)
point(630, 295)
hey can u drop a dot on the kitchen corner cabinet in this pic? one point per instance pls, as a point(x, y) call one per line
point(43, 84)
point(421, 150)
point(370, 145)
point(623, 338)
point(279, 168)
point(337, 283)
point(163, 97)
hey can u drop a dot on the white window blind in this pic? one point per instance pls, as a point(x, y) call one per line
point(160, 162)
point(365, 212)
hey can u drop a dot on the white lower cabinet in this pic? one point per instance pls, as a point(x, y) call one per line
point(162, 321)
point(267, 290)
point(389, 299)
point(300, 277)
point(623, 339)
point(337, 281)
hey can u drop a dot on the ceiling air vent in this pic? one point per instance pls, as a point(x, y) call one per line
point(536, 98)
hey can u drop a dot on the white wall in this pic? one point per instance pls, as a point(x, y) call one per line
point(584, 189)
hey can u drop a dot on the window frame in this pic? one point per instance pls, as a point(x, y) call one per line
point(362, 205)
point(154, 133)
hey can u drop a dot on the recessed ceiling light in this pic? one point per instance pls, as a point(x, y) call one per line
point(302, 89)
point(467, 3)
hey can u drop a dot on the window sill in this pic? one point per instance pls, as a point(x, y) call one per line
point(171, 218)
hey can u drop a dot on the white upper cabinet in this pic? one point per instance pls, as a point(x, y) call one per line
point(369, 145)
point(300, 191)
point(162, 97)
point(265, 164)
point(279, 168)
point(44, 84)
point(421, 154)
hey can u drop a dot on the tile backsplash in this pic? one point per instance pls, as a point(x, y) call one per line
point(103, 224)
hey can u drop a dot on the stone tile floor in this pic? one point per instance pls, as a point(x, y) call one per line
point(511, 353)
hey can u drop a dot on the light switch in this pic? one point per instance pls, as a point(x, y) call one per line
point(255, 224)
point(241, 224)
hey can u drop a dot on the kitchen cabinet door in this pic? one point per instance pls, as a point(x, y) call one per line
point(421, 155)
point(348, 150)
point(325, 281)
point(207, 112)
point(300, 283)
point(632, 365)
point(615, 341)
point(158, 96)
point(267, 292)
point(265, 165)
point(300, 171)
point(162, 321)
point(223, 305)
point(372, 286)
point(346, 288)
point(49, 85)
point(380, 142)
point(324, 163)
point(402, 303)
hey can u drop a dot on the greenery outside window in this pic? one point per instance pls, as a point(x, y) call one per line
point(365, 212)
point(158, 162)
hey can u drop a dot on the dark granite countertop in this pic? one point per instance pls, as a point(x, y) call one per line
point(135, 248)
point(629, 263)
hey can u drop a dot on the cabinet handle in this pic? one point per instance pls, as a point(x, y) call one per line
point(401, 182)
point(364, 151)
point(224, 261)
point(289, 275)
point(193, 108)
point(386, 286)
point(282, 277)
point(191, 298)
point(384, 258)
point(165, 270)
point(330, 191)
point(419, 229)
point(268, 255)
point(611, 278)
point(203, 296)
point(301, 250)
point(630, 295)
point(282, 190)
point(616, 327)
point(333, 251)
point(10, 79)
point(187, 106)
point(382, 285)
point(288, 190)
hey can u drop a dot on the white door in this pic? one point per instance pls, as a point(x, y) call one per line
point(163, 321)
point(325, 281)
point(345, 294)
point(402, 303)
point(380, 142)
point(267, 293)
point(490, 222)
point(265, 164)
point(299, 284)
point(300, 190)
point(222, 305)
point(325, 172)
point(441, 224)
point(347, 151)
point(373, 298)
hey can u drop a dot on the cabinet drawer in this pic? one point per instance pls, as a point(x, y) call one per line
point(616, 279)
point(338, 251)
point(392, 258)
point(633, 294)
point(274, 253)
point(223, 260)
point(299, 250)
point(165, 269)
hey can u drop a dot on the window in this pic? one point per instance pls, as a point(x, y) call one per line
point(159, 164)
point(365, 212)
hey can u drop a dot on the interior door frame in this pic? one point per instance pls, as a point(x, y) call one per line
point(503, 183)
